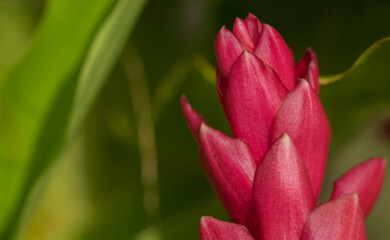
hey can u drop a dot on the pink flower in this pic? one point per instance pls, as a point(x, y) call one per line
point(268, 177)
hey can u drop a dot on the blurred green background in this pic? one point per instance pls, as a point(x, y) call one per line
point(129, 126)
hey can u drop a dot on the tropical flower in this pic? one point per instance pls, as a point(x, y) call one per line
point(269, 175)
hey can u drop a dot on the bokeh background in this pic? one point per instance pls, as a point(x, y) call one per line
point(104, 186)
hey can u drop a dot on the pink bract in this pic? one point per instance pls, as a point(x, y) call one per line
point(269, 174)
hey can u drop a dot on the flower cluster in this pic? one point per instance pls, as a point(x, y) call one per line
point(268, 177)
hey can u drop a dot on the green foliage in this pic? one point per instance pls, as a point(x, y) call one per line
point(51, 88)
point(354, 97)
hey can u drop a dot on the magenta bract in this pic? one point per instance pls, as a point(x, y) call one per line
point(268, 177)
point(365, 179)
point(338, 219)
point(282, 191)
point(302, 117)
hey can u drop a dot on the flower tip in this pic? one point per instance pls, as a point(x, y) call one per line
point(223, 30)
point(204, 220)
point(307, 67)
point(304, 87)
point(379, 163)
point(238, 20)
point(183, 100)
point(304, 82)
point(222, 33)
point(193, 118)
point(246, 60)
point(382, 161)
point(251, 16)
point(354, 196)
point(309, 50)
point(227, 49)
point(285, 138)
point(352, 199)
point(204, 129)
point(240, 30)
point(246, 57)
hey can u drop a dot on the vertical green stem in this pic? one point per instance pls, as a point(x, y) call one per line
point(139, 91)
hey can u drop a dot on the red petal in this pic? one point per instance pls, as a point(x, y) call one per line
point(365, 179)
point(241, 32)
point(194, 119)
point(227, 49)
point(302, 117)
point(271, 48)
point(339, 219)
point(230, 168)
point(307, 68)
point(221, 86)
point(253, 96)
point(282, 192)
point(213, 229)
point(254, 26)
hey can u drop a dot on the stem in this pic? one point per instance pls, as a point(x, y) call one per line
point(139, 92)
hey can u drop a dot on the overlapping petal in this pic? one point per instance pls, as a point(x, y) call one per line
point(230, 168)
point(253, 96)
point(302, 117)
point(341, 219)
point(241, 32)
point(227, 50)
point(307, 68)
point(282, 192)
point(365, 179)
point(213, 229)
point(271, 48)
point(254, 27)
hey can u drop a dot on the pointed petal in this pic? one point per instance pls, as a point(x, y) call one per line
point(227, 49)
point(307, 68)
point(271, 48)
point(230, 168)
point(213, 229)
point(193, 118)
point(241, 32)
point(302, 117)
point(253, 96)
point(338, 219)
point(282, 192)
point(254, 26)
point(365, 179)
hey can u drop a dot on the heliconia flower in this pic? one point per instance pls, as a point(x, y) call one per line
point(253, 86)
point(269, 174)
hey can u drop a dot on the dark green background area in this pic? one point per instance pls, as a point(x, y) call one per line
point(95, 190)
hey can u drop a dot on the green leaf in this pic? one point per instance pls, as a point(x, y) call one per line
point(51, 88)
point(102, 55)
point(362, 91)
